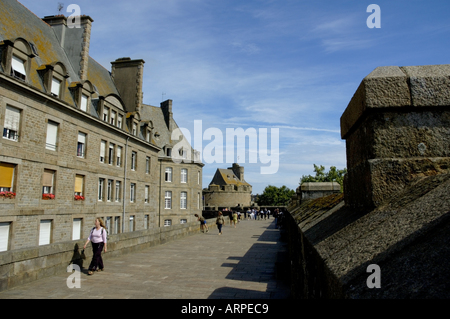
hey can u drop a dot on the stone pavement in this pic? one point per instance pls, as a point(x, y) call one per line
point(240, 264)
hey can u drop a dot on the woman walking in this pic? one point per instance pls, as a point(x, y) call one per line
point(220, 221)
point(98, 239)
point(235, 219)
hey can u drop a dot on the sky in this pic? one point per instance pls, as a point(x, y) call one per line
point(286, 65)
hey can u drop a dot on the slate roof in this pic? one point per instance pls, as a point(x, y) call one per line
point(227, 177)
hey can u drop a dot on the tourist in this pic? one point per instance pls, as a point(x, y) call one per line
point(220, 221)
point(98, 240)
point(202, 221)
point(235, 219)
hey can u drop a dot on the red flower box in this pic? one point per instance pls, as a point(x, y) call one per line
point(7, 194)
point(48, 196)
point(78, 197)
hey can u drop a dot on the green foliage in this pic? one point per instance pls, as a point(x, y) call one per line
point(333, 175)
point(275, 196)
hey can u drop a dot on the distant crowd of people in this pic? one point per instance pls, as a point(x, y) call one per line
point(236, 216)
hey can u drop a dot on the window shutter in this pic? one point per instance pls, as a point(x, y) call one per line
point(48, 178)
point(12, 118)
point(102, 150)
point(84, 100)
point(4, 236)
point(56, 84)
point(76, 229)
point(81, 138)
point(6, 175)
point(52, 131)
point(18, 65)
point(45, 232)
point(78, 184)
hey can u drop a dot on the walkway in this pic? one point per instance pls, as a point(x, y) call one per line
point(240, 264)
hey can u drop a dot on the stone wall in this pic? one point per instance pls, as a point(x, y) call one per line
point(28, 264)
point(395, 212)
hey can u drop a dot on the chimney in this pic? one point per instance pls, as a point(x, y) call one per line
point(59, 25)
point(128, 75)
point(166, 108)
point(238, 171)
point(75, 41)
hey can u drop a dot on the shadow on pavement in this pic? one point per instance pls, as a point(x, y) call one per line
point(264, 262)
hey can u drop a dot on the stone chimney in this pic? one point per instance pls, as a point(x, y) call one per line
point(397, 129)
point(59, 25)
point(128, 76)
point(166, 108)
point(74, 41)
point(238, 171)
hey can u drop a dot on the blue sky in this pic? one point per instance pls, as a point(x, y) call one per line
point(292, 65)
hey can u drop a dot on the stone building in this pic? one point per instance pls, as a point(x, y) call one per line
point(228, 189)
point(79, 143)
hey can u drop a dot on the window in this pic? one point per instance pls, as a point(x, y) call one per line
point(116, 225)
point(168, 174)
point(76, 229)
point(131, 221)
point(183, 200)
point(147, 165)
point(182, 153)
point(132, 192)
point(146, 221)
point(111, 153)
point(117, 191)
point(184, 172)
point(112, 120)
point(102, 151)
point(105, 114)
point(45, 231)
point(119, 121)
point(134, 129)
point(11, 125)
point(79, 185)
point(183, 221)
point(56, 87)
point(52, 135)
point(167, 222)
point(168, 152)
point(18, 68)
point(198, 178)
point(168, 200)
point(81, 146)
point(4, 236)
point(198, 200)
point(84, 102)
point(119, 156)
point(133, 161)
point(108, 223)
point(101, 185)
point(6, 177)
point(48, 183)
point(109, 190)
point(146, 195)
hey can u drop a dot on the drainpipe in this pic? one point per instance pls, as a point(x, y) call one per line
point(160, 193)
point(124, 185)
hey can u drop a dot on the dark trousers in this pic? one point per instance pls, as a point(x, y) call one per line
point(219, 226)
point(97, 261)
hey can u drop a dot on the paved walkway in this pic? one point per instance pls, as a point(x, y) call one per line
point(240, 264)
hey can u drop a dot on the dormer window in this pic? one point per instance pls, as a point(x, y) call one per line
point(18, 68)
point(82, 93)
point(134, 129)
point(16, 57)
point(54, 77)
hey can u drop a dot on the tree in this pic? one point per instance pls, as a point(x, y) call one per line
point(333, 175)
point(275, 196)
